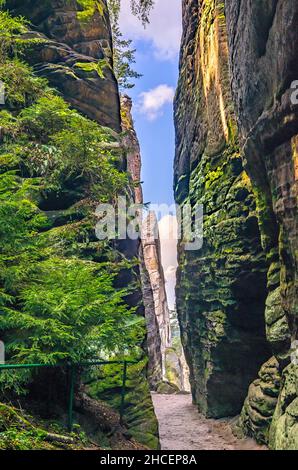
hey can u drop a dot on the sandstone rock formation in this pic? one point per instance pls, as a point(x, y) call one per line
point(131, 143)
point(133, 154)
point(244, 280)
point(263, 43)
point(166, 360)
point(153, 264)
point(67, 41)
point(222, 287)
point(260, 404)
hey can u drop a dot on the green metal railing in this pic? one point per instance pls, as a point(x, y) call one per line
point(73, 369)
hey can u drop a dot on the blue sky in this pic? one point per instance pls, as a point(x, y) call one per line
point(156, 134)
point(157, 59)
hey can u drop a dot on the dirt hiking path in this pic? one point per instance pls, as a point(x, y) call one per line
point(182, 428)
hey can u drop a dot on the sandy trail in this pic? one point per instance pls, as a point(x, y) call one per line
point(182, 428)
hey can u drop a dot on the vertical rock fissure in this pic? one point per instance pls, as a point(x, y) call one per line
point(167, 369)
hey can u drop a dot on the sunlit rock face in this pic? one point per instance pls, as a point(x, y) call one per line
point(69, 41)
point(256, 416)
point(131, 142)
point(153, 264)
point(166, 357)
point(263, 45)
point(221, 288)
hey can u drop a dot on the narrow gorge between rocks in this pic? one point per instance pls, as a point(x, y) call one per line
point(97, 355)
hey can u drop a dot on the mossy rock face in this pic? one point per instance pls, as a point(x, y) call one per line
point(264, 55)
point(259, 407)
point(221, 289)
point(284, 428)
point(139, 415)
point(19, 433)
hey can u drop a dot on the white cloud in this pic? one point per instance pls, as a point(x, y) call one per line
point(152, 102)
point(164, 30)
point(168, 239)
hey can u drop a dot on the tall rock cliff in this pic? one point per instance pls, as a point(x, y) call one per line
point(263, 45)
point(221, 288)
point(238, 60)
point(154, 344)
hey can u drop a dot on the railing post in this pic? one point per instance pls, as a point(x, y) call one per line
point(123, 391)
point(71, 398)
point(72, 378)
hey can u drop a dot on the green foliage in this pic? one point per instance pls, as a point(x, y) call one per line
point(48, 116)
point(123, 54)
point(21, 87)
point(19, 216)
point(97, 67)
point(55, 303)
point(82, 152)
point(140, 8)
point(10, 28)
point(65, 308)
point(59, 144)
point(89, 7)
point(71, 310)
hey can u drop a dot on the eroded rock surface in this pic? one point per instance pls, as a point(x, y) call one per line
point(65, 40)
point(263, 42)
point(259, 406)
point(237, 126)
point(68, 41)
point(221, 288)
point(182, 428)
